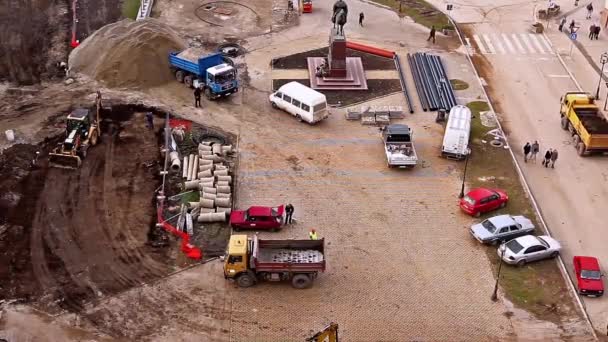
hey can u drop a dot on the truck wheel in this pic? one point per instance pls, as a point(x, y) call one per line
point(564, 123)
point(179, 76)
point(301, 281)
point(581, 149)
point(575, 140)
point(246, 279)
point(188, 81)
point(208, 93)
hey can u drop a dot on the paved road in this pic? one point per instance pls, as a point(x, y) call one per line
point(526, 80)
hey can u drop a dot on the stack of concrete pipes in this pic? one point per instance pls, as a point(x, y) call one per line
point(206, 172)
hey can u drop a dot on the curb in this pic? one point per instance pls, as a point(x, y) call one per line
point(524, 182)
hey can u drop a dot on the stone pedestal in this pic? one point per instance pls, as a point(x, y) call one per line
point(337, 54)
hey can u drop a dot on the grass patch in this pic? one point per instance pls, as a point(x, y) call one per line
point(130, 8)
point(420, 11)
point(459, 84)
point(193, 196)
point(538, 287)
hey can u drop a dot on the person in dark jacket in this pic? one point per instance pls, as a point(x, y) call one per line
point(527, 149)
point(553, 158)
point(361, 17)
point(197, 97)
point(547, 158)
point(288, 213)
point(431, 34)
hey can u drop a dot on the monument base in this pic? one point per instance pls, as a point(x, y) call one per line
point(354, 78)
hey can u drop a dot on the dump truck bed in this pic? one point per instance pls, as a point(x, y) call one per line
point(591, 126)
point(288, 255)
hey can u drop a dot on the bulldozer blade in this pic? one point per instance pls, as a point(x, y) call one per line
point(64, 161)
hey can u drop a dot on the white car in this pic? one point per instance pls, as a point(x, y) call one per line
point(528, 248)
point(501, 228)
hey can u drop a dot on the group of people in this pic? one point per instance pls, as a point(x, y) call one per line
point(531, 150)
point(289, 209)
point(594, 31)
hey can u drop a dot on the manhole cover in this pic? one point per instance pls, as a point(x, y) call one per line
point(223, 10)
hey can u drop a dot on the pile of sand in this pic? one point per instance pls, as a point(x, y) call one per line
point(128, 54)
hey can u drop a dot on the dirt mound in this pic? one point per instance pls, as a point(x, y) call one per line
point(128, 54)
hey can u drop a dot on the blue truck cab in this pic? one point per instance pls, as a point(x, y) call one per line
point(210, 73)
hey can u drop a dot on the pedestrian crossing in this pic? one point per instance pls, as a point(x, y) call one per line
point(510, 44)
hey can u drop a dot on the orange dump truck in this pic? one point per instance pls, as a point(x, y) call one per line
point(586, 123)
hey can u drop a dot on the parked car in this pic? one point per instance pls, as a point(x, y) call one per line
point(260, 218)
point(528, 248)
point(588, 276)
point(501, 228)
point(482, 200)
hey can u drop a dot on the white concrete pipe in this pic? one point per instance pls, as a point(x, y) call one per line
point(202, 174)
point(206, 179)
point(206, 143)
point(202, 168)
point(223, 172)
point(212, 217)
point(223, 202)
point(213, 158)
point(205, 162)
point(222, 183)
point(191, 185)
point(185, 168)
point(190, 166)
point(207, 210)
point(223, 210)
point(223, 189)
point(195, 168)
point(224, 178)
point(227, 149)
point(194, 204)
point(210, 190)
point(205, 174)
point(201, 186)
point(217, 149)
point(221, 195)
point(175, 163)
point(202, 147)
point(204, 153)
point(207, 203)
point(220, 166)
point(209, 196)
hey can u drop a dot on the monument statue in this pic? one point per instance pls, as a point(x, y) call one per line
point(339, 16)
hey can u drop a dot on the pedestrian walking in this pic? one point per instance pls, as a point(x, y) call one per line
point(589, 11)
point(361, 17)
point(432, 34)
point(288, 213)
point(527, 149)
point(313, 235)
point(553, 158)
point(562, 23)
point(547, 158)
point(591, 31)
point(197, 97)
point(572, 24)
point(150, 120)
point(534, 151)
point(596, 34)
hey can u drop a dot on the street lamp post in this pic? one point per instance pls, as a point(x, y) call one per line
point(495, 293)
point(603, 60)
point(464, 174)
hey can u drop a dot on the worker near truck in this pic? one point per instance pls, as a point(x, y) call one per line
point(313, 235)
point(288, 213)
point(197, 97)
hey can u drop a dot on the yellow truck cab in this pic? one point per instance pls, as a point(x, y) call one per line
point(236, 256)
point(586, 123)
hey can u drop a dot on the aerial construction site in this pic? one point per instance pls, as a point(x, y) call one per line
point(240, 171)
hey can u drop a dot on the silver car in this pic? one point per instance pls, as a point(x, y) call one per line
point(528, 248)
point(501, 228)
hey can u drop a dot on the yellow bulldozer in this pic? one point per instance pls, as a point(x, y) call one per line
point(82, 131)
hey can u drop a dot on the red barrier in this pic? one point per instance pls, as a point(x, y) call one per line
point(191, 251)
point(370, 49)
point(75, 42)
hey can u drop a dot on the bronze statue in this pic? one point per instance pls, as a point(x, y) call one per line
point(340, 15)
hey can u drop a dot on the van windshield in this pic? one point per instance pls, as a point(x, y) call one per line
point(319, 107)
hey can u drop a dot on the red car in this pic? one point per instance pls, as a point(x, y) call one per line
point(260, 218)
point(588, 276)
point(307, 6)
point(482, 200)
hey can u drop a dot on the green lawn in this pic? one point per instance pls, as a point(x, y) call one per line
point(130, 8)
point(419, 10)
point(538, 287)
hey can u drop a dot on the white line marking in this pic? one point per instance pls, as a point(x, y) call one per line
point(559, 76)
point(480, 45)
point(546, 43)
point(470, 49)
point(524, 37)
point(508, 43)
point(499, 45)
point(536, 42)
point(486, 38)
point(518, 43)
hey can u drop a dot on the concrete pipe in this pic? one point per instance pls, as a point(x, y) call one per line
point(208, 196)
point(223, 210)
point(204, 153)
point(221, 195)
point(205, 174)
point(213, 158)
point(206, 143)
point(207, 203)
point(212, 217)
point(191, 185)
point(223, 189)
point(224, 178)
point(220, 167)
point(223, 202)
point(202, 147)
point(202, 175)
point(205, 162)
point(222, 183)
point(227, 149)
point(207, 210)
point(201, 186)
point(217, 149)
point(204, 167)
point(185, 168)
point(175, 163)
point(194, 204)
point(223, 172)
point(190, 166)
point(195, 168)
point(210, 190)
point(207, 179)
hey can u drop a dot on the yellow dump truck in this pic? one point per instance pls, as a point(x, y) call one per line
point(586, 123)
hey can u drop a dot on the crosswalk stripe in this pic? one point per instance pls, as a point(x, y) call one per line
point(508, 43)
point(489, 43)
point(527, 42)
point(547, 45)
point(518, 43)
point(480, 44)
point(499, 45)
point(536, 42)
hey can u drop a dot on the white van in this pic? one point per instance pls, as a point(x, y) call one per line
point(302, 102)
point(457, 132)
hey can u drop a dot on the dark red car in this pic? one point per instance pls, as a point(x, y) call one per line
point(259, 218)
point(588, 276)
point(482, 200)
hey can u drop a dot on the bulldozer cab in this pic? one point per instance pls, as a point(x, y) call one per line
point(80, 119)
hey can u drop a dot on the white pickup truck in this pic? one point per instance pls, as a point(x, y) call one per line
point(398, 145)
